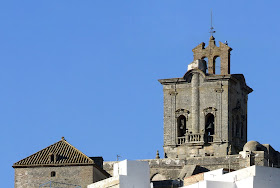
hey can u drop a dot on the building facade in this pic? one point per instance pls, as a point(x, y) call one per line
point(205, 113)
point(58, 165)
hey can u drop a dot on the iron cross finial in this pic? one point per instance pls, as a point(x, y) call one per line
point(212, 31)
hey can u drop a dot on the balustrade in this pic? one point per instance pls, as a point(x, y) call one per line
point(194, 138)
point(181, 140)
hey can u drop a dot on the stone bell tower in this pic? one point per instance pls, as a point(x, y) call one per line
point(205, 114)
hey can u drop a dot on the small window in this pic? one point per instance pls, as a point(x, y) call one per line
point(52, 158)
point(53, 174)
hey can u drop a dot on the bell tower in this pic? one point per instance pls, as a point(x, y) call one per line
point(205, 114)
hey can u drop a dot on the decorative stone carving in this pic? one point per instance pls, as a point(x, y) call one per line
point(210, 110)
point(182, 112)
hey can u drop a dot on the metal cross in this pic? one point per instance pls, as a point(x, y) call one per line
point(212, 28)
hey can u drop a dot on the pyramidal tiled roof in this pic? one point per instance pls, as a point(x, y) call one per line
point(60, 153)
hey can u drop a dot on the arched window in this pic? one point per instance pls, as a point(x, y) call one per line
point(217, 65)
point(53, 174)
point(181, 125)
point(209, 124)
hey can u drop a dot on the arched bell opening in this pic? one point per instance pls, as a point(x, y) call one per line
point(209, 127)
point(181, 122)
point(217, 65)
point(206, 60)
point(181, 129)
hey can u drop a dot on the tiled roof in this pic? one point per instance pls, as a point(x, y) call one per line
point(60, 153)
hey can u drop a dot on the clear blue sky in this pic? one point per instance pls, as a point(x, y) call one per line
point(88, 70)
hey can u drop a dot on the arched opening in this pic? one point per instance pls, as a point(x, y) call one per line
point(181, 129)
point(206, 59)
point(181, 123)
point(217, 65)
point(209, 124)
point(158, 177)
point(53, 174)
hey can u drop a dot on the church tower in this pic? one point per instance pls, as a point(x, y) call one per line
point(205, 113)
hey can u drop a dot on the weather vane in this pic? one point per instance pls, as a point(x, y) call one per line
point(212, 28)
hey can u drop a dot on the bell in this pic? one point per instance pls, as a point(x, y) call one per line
point(210, 126)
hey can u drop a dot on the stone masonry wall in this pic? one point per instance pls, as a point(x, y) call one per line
point(211, 97)
point(33, 177)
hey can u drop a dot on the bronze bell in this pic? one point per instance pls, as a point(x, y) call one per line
point(210, 126)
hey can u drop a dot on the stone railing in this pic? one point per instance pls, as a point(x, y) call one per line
point(195, 138)
point(181, 140)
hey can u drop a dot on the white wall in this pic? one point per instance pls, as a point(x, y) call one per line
point(220, 184)
point(112, 182)
point(127, 174)
point(138, 174)
point(251, 177)
point(212, 174)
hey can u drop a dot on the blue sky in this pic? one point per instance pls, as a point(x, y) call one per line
point(87, 70)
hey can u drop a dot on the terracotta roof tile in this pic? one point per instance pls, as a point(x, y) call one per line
point(60, 153)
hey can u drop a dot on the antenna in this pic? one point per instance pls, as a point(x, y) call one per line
point(118, 157)
point(212, 28)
